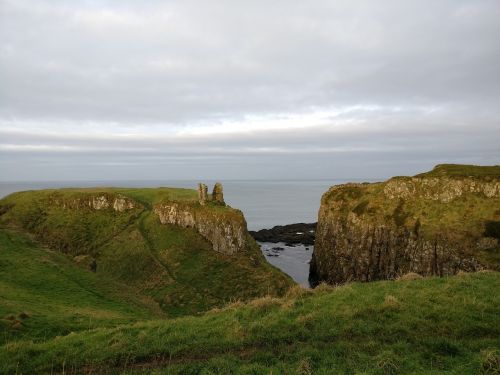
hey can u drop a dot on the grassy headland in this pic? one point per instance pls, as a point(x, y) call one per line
point(174, 266)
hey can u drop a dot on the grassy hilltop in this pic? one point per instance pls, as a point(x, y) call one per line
point(175, 267)
point(436, 201)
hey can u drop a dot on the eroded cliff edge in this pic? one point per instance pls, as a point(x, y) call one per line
point(436, 223)
point(225, 228)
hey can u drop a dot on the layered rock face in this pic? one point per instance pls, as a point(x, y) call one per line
point(101, 201)
point(431, 224)
point(224, 228)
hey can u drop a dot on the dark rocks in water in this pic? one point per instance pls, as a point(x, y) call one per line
point(290, 234)
point(278, 248)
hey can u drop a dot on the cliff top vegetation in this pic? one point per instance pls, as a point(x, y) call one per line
point(463, 170)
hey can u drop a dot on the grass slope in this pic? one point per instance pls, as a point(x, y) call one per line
point(174, 266)
point(43, 294)
point(427, 326)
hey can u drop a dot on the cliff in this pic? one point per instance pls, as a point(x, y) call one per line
point(436, 223)
point(224, 228)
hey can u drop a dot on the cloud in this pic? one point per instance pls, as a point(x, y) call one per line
point(268, 87)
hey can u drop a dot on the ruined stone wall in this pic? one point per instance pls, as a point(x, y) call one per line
point(202, 193)
point(217, 194)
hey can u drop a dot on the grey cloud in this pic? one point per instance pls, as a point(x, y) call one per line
point(76, 76)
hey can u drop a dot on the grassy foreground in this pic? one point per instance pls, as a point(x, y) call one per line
point(426, 326)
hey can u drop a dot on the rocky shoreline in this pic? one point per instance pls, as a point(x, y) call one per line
point(303, 233)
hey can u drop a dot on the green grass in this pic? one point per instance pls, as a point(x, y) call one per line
point(162, 301)
point(151, 196)
point(43, 294)
point(427, 326)
point(176, 267)
point(461, 170)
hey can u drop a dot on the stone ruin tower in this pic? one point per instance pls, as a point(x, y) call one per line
point(217, 194)
point(202, 193)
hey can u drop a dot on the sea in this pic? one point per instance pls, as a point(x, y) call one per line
point(265, 204)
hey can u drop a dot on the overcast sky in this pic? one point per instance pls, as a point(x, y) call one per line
point(246, 89)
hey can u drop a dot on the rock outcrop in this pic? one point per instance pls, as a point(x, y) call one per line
point(100, 201)
point(224, 228)
point(430, 224)
point(299, 233)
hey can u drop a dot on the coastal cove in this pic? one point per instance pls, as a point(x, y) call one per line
point(292, 259)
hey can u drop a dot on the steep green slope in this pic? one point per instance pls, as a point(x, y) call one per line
point(44, 294)
point(426, 326)
point(435, 223)
point(118, 234)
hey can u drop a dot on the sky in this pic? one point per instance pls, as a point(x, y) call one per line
point(230, 89)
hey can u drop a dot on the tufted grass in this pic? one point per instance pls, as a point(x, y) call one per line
point(426, 326)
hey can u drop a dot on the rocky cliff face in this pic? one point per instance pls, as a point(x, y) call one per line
point(431, 224)
point(224, 227)
point(99, 201)
point(440, 189)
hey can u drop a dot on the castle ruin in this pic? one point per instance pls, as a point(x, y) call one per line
point(217, 194)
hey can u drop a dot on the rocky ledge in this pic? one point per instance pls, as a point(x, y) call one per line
point(436, 223)
point(225, 228)
point(289, 234)
point(99, 201)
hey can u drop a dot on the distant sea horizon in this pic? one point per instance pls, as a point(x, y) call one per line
point(265, 203)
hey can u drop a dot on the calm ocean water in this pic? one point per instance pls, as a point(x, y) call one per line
point(264, 203)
